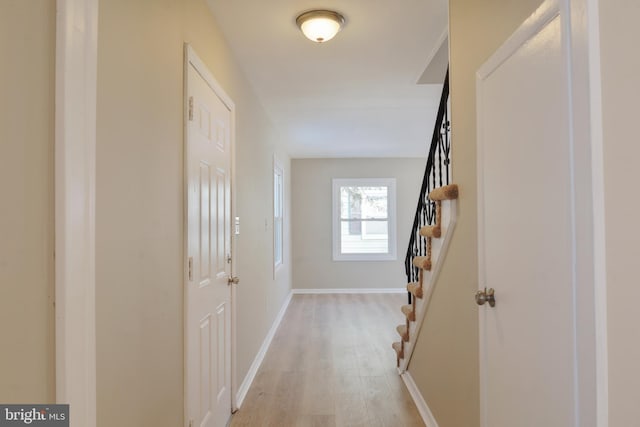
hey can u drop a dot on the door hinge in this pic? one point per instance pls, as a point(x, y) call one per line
point(190, 268)
point(228, 258)
point(190, 108)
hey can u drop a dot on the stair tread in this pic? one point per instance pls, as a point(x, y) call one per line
point(408, 311)
point(431, 231)
point(403, 331)
point(399, 348)
point(448, 192)
point(422, 262)
point(415, 289)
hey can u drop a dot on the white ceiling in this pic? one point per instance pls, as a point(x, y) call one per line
point(354, 96)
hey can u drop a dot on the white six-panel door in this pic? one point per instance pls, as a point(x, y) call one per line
point(208, 295)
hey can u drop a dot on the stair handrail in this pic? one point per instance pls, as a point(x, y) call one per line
point(438, 159)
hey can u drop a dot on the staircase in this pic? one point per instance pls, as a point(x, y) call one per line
point(437, 238)
point(431, 232)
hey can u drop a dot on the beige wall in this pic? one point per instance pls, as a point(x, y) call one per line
point(620, 68)
point(445, 362)
point(314, 267)
point(27, 45)
point(139, 224)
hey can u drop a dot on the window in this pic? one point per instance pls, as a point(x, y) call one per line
point(278, 211)
point(364, 224)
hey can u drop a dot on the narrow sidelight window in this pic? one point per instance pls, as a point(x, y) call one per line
point(278, 214)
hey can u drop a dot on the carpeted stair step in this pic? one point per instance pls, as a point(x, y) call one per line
point(415, 289)
point(431, 231)
point(448, 192)
point(422, 262)
point(403, 331)
point(399, 348)
point(408, 311)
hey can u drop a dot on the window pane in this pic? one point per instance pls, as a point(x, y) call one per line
point(278, 241)
point(372, 237)
point(280, 195)
point(363, 202)
point(278, 209)
point(275, 194)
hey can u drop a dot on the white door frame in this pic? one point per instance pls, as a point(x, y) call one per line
point(74, 165)
point(591, 297)
point(191, 57)
point(581, 22)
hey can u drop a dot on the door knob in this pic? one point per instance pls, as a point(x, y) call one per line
point(233, 280)
point(487, 295)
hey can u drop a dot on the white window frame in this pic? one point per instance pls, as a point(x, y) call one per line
point(278, 207)
point(390, 183)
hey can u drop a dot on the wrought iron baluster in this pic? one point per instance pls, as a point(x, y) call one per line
point(437, 158)
point(440, 160)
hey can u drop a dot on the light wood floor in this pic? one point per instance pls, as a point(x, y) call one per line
point(331, 364)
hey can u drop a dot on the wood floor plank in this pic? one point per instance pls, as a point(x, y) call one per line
point(351, 409)
point(331, 364)
point(316, 421)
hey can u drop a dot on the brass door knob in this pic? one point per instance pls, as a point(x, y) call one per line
point(486, 296)
point(233, 280)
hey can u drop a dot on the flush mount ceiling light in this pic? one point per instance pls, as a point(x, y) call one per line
point(320, 25)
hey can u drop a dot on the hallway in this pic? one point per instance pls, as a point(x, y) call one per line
point(331, 364)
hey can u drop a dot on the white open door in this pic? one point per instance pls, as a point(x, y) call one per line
point(533, 341)
point(208, 290)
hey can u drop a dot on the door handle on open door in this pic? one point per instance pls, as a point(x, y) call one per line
point(233, 280)
point(487, 295)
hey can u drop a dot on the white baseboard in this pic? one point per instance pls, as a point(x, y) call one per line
point(253, 370)
point(351, 291)
point(425, 412)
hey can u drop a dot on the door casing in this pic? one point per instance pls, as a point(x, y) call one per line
point(75, 216)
